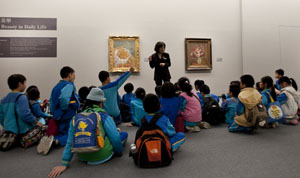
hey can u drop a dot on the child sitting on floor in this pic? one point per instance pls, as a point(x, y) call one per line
point(113, 140)
point(190, 106)
point(230, 104)
point(278, 74)
point(110, 90)
point(137, 108)
point(249, 98)
point(33, 95)
point(289, 99)
point(268, 96)
point(152, 106)
point(129, 96)
point(169, 102)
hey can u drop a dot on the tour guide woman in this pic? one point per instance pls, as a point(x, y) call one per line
point(161, 62)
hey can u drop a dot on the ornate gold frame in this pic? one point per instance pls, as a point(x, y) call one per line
point(112, 67)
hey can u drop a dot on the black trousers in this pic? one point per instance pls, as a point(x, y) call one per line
point(158, 82)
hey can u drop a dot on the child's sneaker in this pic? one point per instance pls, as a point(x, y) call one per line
point(41, 145)
point(204, 125)
point(48, 145)
point(193, 129)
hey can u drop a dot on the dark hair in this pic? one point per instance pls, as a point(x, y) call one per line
point(90, 103)
point(158, 90)
point(235, 90)
point(103, 75)
point(258, 86)
point(33, 92)
point(128, 87)
point(280, 72)
point(140, 93)
point(205, 89)
point(151, 103)
point(158, 45)
point(185, 86)
point(65, 71)
point(247, 80)
point(199, 83)
point(91, 87)
point(83, 92)
point(168, 90)
point(235, 82)
point(270, 85)
point(294, 84)
point(14, 80)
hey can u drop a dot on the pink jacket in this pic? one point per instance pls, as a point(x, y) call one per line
point(192, 111)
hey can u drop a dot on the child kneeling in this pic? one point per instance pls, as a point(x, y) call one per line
point(113, 140)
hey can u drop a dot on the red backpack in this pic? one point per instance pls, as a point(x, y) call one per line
point(153, 147)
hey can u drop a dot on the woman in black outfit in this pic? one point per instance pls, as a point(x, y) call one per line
point(161, 62)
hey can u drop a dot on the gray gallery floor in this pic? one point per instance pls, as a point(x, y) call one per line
point(212, 153)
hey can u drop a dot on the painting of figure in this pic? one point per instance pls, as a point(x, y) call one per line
point(123, 53)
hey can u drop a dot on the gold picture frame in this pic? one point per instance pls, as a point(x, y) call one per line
point(124, 52)
point(198, 54)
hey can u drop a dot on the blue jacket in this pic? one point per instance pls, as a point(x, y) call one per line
point(110, 92)
point(278, 85)
point(112, 138)
point(229, 106)
point(8, 106)
point(128, 97)
point(165, 125)
point(137, 111)
point(170, 108)
point(64, 101)
point(36, 110)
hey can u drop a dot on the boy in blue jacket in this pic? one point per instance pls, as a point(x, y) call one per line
point(110, 90)
point(152, 105)
point(64, 103)
point(14, 107)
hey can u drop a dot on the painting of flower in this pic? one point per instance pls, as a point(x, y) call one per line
point(198, 54)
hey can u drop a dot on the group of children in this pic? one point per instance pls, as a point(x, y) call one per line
point(182, 109)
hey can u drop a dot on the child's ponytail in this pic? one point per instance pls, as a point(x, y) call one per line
point(185, 86)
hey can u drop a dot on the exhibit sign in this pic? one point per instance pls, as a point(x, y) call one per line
point(198, 54)
point(28, 47)
point(124, 52)
point(18, 23)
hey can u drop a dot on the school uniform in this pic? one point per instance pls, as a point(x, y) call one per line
point(110, 91)
point(113, 141)
point(64, 103)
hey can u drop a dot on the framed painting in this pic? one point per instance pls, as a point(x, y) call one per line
point(198, 54)
point(124, 53)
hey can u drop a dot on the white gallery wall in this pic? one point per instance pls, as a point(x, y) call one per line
point(271, 37)
point(83, 28)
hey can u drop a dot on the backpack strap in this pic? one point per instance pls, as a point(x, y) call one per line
point(196, 98)
point(16, 114)
point(271, 98)
point(236, 101)
point(153, 120)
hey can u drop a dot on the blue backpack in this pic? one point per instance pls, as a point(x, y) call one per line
point(88, 133)
point(275, 111)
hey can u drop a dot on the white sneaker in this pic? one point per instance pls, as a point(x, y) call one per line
point(41, 145)
point(193, 129)
point(47, 145)
point(205, 125)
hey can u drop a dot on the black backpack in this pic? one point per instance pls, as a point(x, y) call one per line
point(125, 112)
point(153, 147)
point(211, 111)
